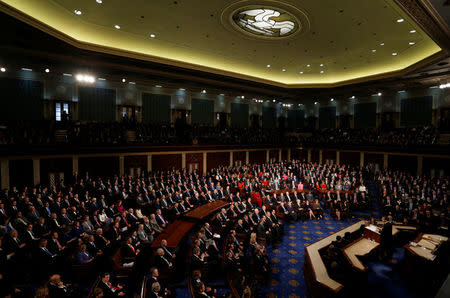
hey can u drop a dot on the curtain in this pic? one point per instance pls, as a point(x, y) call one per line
point(239, 115)
point(296, 119)
point(268, 117)
point(96, 104)
point(327, 117)
point(416, 111)
point(156, 108)
point(21, 99)
point(365, 115)
point(202, 111)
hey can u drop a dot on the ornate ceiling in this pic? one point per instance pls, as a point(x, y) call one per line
point(310, 43)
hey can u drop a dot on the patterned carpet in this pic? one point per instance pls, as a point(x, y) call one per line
point(287, 259)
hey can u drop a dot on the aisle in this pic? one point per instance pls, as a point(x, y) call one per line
point(287, 260)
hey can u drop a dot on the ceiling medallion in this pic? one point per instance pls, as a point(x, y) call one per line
point(269, 22)
point(265, 19)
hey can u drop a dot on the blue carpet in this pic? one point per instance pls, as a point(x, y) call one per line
point(287, 260)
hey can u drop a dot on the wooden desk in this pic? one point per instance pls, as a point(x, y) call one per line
point(426, 245)
point(319, 282)
point(174, 233)
point(205, 210)
point(360, 247)
point(372, 232)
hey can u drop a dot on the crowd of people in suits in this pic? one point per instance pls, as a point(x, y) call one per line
point(87, 220)
point(396, 137)
point(115, 132)
point(416, 199)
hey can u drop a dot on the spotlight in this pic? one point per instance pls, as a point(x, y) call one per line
point(85, 78)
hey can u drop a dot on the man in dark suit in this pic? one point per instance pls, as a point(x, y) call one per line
point(57, 288)
point(386, 238)
point(109, 290)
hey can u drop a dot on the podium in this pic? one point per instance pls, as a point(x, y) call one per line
point(372, 232)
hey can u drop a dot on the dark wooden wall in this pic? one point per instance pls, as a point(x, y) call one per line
point(195, 158)
point(56, 165)
point(21, 172)
point(329, 155)
point(216, 159)
point(257, 156)
point(138, 161)
point(350, 158)
point(239, 156)
point(166, 161)
point(407, 163)
point(98, 166)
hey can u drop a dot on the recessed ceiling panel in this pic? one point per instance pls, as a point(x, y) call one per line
point(286, 43)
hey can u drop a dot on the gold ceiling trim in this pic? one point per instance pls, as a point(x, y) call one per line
point(146, 57)
point(424, 14)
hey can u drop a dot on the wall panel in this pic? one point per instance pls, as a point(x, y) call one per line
point(239, 115)
point(98, 166)
point(257, 157)
point(217, 159)
point(21, 99)
point(202, 111)
point(166, 161)
point(96, 104)
point(365, 115)
point(156, 108)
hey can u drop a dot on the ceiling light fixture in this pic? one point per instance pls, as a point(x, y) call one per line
point(2, 69)
point(379, 94)
point(268, 65)
point(77, 12)
point(321, 65)
point(382, 44)
point(373, 51)
point(321, 71)
point(352, 97)
point(411, 43)
point(242, 96)
point(332, 99)
point(401, 91)
point(221, 94)
point(400, 20)
point(132, 83)
point(412, 31)
point(274, 100)
point(124, 80)
point(152, 35)
point(394, 54)
point(203, 91)
point(444, 86)
point(117, 27)
point(85, 78)
point(284, 69)
point(67, 74)
point(99, 1)
point(315, 102)
point(101, 79)
point(47, 70)
point(301, 72)
point(26, 69)
point(434, 87)
point(158, 86)
point(309, 65)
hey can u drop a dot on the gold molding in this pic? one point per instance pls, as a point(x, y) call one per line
point(424, 14)
point(409, 6)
